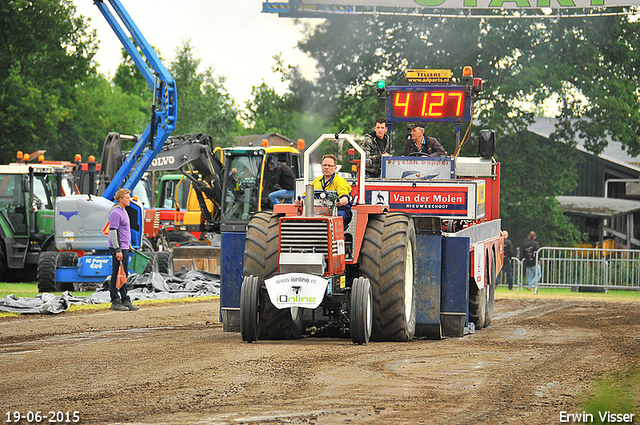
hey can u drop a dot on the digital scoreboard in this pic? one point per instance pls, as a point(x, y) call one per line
point(429, 103)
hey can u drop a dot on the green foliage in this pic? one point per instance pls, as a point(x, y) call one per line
point(533, 173)
point(129, 78)
point(299, 120)
point(204, 105)
point(45, 53)
point(269, 112)
point(615, 392)
point(110, 108)
point(603, 68)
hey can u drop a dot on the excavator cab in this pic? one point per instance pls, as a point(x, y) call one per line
point(248, 180)
point(278, 154)
point(242, 185)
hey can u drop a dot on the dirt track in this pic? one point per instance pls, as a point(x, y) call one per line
point(171, 363)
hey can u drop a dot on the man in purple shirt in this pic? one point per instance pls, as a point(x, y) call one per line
point(119, 246)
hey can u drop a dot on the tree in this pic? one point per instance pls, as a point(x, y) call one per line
point(269, 112)
point(204, 105)
point(130, 79)
point(529, 185)
point(45, 54)
point(108, 108)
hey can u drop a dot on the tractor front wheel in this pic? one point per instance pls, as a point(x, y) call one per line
point(152, 265)
point(361, 310)
point(250, 309)
point(46, 271)
point(164, 260)
point(261, 260)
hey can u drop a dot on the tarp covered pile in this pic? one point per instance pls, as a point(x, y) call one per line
point(151, 286)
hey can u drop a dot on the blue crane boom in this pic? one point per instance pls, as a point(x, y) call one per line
point(81, 222)
point(165, 104)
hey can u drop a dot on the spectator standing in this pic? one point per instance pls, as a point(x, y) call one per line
point(529, 250)
point(119, 247)
point(509, 252)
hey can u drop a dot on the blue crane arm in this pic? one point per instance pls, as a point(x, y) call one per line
point(165, 104)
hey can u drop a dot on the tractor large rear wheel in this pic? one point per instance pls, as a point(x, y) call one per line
point(394, 305)
point(478, 302)
point(370, 257)
point(261, 260)
point(491, 291)
point(371, 249)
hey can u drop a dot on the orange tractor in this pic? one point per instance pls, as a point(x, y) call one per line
point(419, 259)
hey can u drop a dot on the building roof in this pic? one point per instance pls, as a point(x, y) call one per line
point(593, 206)
point(256, 139)
point(613, 152)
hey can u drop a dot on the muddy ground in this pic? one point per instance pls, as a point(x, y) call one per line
point(173, 364)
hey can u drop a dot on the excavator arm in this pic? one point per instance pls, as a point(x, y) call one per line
point(191, 155)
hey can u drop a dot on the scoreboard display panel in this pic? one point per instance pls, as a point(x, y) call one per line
point(430, 103)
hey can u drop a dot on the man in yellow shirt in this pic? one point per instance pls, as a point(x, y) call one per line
point(331, 181)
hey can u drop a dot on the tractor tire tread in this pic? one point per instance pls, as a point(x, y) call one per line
point(389, 319)
point(46, 271)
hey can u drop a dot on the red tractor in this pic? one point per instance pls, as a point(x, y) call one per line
point(295, 262)
point(392, 276)
point(419, 258)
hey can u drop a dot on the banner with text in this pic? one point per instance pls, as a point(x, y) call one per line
point(475, 4)
point(439, 199)
point(403, 167)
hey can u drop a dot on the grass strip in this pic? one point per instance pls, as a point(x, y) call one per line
point(566, 293)
point(614, 393)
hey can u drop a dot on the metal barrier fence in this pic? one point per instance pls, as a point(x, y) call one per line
point(582, 267)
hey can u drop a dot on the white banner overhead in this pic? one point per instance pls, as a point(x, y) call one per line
point(475, 4)
point(453, 8)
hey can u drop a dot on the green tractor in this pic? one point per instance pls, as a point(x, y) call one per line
point(27, 198)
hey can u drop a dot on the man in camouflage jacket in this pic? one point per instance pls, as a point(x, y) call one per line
point(376, 145)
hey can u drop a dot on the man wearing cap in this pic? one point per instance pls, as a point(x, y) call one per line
point(417, 142)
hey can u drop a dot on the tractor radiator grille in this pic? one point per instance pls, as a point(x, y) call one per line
point(304, 236)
